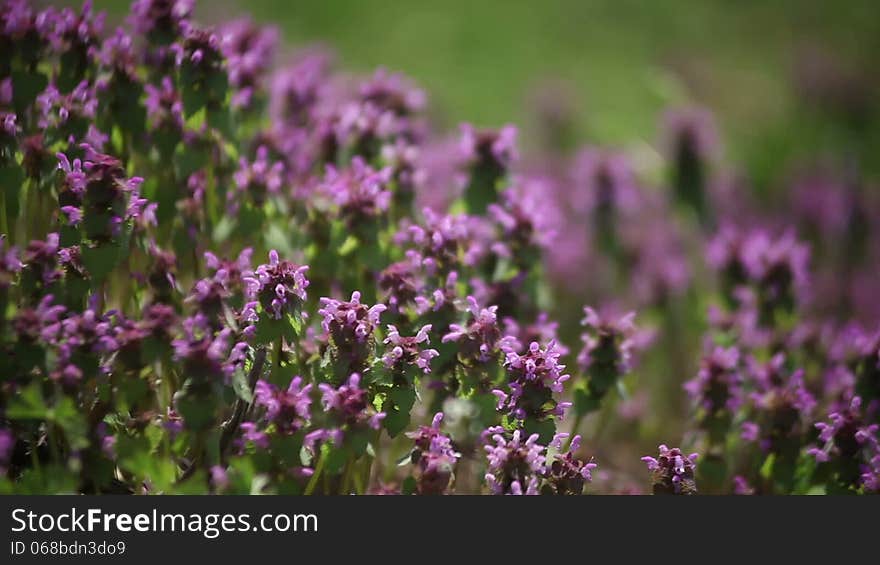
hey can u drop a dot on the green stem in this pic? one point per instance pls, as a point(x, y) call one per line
point(319, 470)
point(4, 228)
point(578, 420)
point(276, 357)
point(346, 478)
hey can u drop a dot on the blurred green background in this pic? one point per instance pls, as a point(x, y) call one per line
point(623, 61)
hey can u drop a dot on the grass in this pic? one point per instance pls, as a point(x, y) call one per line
point(624, 60)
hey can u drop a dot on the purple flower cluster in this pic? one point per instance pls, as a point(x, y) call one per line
point(404, 351)
point(288, 409)
point(533, 378)
point(434, 457)
point(348, 408)
point(279, 286)
point(134, 324)
point(672, 472)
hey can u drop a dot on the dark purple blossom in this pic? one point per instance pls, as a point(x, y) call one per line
point(516, 466)
point(672, 472)
point(160, 18)
point(248, 49)
point(434, 457)
point(566, 474)
point(404, 351)
point(349, 322)
point(288, 409)
point(480, 339)
point(279, 286)
point(533, 378)
point(257, 179)
point(717, 387)
point(349, 409)
point(608, 346)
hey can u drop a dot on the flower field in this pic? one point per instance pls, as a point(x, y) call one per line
point(224, 270)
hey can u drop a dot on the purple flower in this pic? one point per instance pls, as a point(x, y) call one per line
point(288, 409)
point(205, 355)
point(847, 438)
point(543, 330)
point(400, 284)
point(441, 238)
point(10, 264)
point(776, 268)
point(160, 18)
point(58, 110)
point(7, 444)
point(251, 433)
point(741, 486)
point(164, 106)
point(296, 90)
point(349, 322)
point(424, 436)
point(39, 324)
point(248, 49)
point(83, 342)
point(359, 191)
point(717, 386)
point(524, 220)
point(78, 33)
point(280, 286)
point(870, 478)
point(607, 352)
point(533, 378)
point(567, 475)
point(258, 178)
point(405, 351)
point(496, 149)
point(781, 402)
point(515, 465)
point(434, 458)
point(40, 263)
point(479, 340)
point(349, 408)
point(672, 472)
point(392, 92)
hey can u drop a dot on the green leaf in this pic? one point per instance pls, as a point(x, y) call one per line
point(348, 246)
point(72, 421)
point(100, 260)
point(241, 386)
point(336, 459)
point(28, 404)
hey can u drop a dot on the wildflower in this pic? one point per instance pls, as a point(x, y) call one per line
point(782, 404)
point(349, 410)
point(160, 20)
point(405, 351)
point(848, 441)
point(260, 178)
point(359, 191)
point(567, 475)
point(248, 49)
point(533, 378)
point(434, 458)
point(672, 472)
point(280, 286)
point(515, 465)
point(288, 409)
point(350, 321)
point(716, 388)
point(480, 340)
